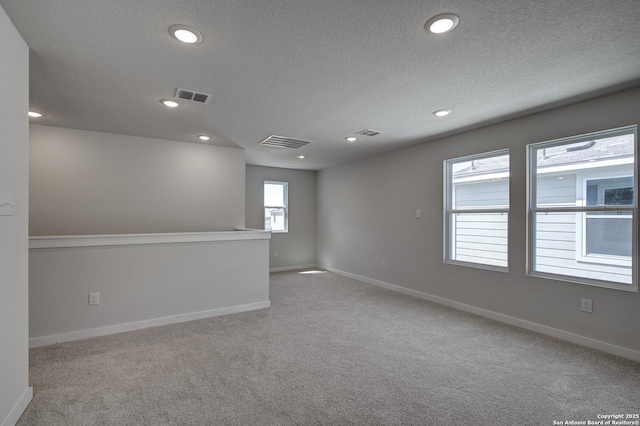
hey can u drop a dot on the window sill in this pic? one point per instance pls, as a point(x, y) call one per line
point(477, 265)
point(585, 281)
point(603, 260)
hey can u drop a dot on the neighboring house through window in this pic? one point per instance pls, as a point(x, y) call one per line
point(606, 237)
point(477, 210)
point(276, 215)
point(583, 209)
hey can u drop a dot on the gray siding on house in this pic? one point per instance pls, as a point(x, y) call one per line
point(555, 232)
point(494, 193)
point(553, 191)
point(557, 249)
point(557, 246)
point(482, 237)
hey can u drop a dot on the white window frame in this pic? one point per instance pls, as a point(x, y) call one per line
point(581, 223)
point(449, 211)
point(285, 186)
point(582, 211)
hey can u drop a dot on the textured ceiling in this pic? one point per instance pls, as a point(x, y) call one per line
point(319, 70)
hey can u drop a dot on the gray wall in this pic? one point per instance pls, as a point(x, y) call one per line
point(14, 175)
point(298, 246)
point(142, 285)
point(366, 215)
point(86, 182)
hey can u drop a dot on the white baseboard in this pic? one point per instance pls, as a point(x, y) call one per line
point(18, 409)
point(36, 342)
point(292, 268)
point(539, 328)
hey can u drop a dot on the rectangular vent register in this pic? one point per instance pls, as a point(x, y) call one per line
point(284, 142)
point(191, 95)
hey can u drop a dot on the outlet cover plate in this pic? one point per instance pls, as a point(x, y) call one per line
point(94, 298)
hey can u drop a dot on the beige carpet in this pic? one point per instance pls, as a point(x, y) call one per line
point(330, 351)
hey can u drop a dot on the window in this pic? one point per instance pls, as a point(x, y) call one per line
point(276, 215)
point(583, 209)
point(477, 210)
point(608, 235)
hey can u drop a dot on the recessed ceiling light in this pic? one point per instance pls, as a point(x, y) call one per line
point(170, 103)
point(204, 137)
point(443, 23)
point(350, 139)
point(441, 112)
point(185, 34)
point(302, 157)
point(34, 114)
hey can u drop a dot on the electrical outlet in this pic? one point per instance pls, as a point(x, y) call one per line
point(275, 253)
point(587, 305)
point(418, 213)
point(384, 266)
point(94, 298)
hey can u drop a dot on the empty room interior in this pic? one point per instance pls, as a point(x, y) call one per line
point(319, 212)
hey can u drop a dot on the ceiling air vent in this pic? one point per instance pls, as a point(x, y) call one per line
point(284, 142)
point(368, 132)
point(190, 95)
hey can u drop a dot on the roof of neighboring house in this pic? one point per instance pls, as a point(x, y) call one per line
point(582, 152)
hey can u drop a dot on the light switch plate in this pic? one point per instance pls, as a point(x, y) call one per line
point(6, 204)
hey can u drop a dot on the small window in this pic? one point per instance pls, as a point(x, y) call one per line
point(607, 235)
point(583, 209)
point(276, 215)
point(477, 210)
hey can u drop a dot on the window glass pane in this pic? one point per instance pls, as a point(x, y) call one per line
point(482, 183)
point(478, 183)
point(608, 235)
point(610, 192)
point(557, 252)
point(557, 191)
point(274, 195)
point(557, 169)
point(618, 197)
point(275, 206)
point(274, 219)
point(592, 178)
point(479, 238)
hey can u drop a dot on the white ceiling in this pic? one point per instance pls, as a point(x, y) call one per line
point(319, 70)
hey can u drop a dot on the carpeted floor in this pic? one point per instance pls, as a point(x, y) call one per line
point(330, 351)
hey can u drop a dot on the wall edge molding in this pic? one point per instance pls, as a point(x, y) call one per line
point(37, 342)
point(18, 409)
point(69, 241)
point(517, 322)
point(292, 268)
